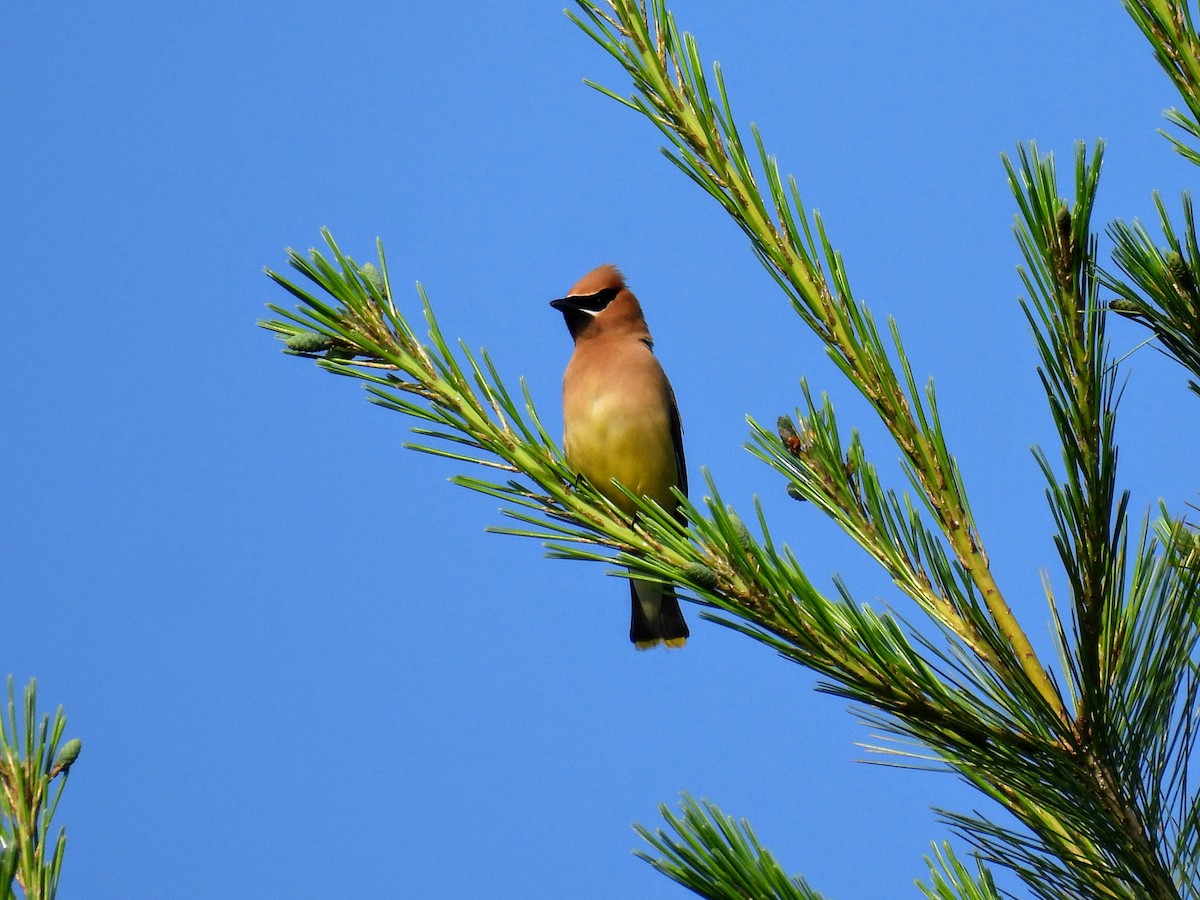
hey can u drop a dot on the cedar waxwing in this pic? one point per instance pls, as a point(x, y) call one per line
point(620, 423)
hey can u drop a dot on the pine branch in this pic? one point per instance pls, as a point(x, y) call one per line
point(715, 856)
point(1156, 691)
point(1162, 292)
point(34, 764)
point(1168, 26)
point(952, 880)
point(1118, 835)
point(1068, 326)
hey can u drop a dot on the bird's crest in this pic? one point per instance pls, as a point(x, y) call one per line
point(604, 278)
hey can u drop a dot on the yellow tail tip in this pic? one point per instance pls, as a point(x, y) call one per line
point(672, 644)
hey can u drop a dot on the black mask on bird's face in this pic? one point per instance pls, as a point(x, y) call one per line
point(578, 311)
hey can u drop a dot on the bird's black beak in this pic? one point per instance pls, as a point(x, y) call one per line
point(574, 313)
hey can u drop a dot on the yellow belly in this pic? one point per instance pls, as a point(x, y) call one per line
point(609, 439)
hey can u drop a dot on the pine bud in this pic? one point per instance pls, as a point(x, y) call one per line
point(1182, 273)
point(309, 342)
point(66, 756)
point(371, 276)
point(741, 532)
point(341, 352)
point(1062, 220)
point(1124, 307)
point(700, 575)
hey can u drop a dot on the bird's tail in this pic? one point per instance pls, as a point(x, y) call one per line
point(657, 618)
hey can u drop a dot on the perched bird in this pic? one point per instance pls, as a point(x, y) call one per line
point(620, 423)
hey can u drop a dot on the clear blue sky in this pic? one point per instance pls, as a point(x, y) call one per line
point(298, 665)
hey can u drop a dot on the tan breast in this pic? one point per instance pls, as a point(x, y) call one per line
point(617, 424)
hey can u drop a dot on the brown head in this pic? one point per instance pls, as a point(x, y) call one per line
point(600, 303)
